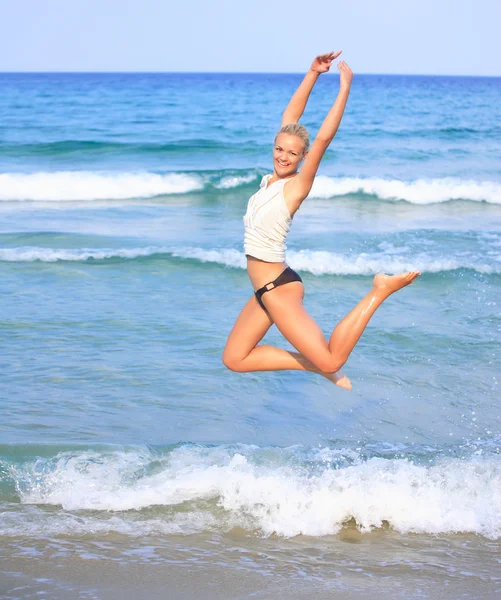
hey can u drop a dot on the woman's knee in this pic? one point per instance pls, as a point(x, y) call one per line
point(330, 364)
point(232, 362)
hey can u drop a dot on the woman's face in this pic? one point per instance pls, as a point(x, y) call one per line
point(287, 154)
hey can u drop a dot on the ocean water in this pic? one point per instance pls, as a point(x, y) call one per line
point(132, 462)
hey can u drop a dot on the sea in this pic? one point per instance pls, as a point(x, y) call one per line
point(133, 464)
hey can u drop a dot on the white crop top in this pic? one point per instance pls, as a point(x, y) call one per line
point(267, 222)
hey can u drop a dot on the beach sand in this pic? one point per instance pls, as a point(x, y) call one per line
point(351, 565)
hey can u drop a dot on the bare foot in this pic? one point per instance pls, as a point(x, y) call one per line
point(339, 379)
point(391, 283)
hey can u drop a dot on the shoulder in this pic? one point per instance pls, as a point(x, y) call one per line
point(265, 180)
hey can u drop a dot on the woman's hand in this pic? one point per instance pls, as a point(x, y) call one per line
point(323, 62)
point(346, 75)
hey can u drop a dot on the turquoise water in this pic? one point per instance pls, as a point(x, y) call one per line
point(121, 205)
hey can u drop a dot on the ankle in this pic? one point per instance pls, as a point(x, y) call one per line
point(380, 294)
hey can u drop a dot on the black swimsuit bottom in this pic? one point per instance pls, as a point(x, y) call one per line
point(286, 276)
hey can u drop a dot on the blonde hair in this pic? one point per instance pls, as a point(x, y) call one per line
point(300, 131)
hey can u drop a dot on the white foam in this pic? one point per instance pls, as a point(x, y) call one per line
point(234, 181)
point(316, 262)
point(329, 263)
point(34, 253)
point(323, 263)
point(420, 191)
point(87, 185)
point(34, 521)
point(227, 257)
point(276, 497)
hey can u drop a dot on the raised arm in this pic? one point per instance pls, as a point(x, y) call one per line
point(299, 187)
point(297, 104)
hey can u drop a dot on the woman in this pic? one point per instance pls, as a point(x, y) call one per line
point(278, 296)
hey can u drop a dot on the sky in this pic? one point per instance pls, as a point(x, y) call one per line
point(431, 37)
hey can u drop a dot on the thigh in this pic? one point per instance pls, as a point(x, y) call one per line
point(249, 329)
point(285, 305)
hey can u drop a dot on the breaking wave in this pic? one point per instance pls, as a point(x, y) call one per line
point(86, 185)
point(287, 492)
point(421, 191)
point(312, 261)
point(67, 186)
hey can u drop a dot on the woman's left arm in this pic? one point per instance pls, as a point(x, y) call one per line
point(299, 187)
point(297, 103)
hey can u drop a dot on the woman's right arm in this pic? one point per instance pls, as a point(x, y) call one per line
point(297, 104)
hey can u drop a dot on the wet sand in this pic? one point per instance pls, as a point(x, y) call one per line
point(235, 566)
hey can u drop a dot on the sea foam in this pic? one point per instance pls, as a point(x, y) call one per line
point(420, 191)
point(233, 181)
point(241, 487)
point(88, 185)
point(316, 262)
point(36, 253)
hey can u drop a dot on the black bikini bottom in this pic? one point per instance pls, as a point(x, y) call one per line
point(286, 276)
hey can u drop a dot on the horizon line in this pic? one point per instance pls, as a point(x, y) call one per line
point(64, 72)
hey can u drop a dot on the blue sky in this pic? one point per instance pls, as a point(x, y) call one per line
point(384, 36)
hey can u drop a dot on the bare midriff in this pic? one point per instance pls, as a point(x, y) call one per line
point(261, 272)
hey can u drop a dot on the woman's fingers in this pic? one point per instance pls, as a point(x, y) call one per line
point(346, 75)
point(329, 56)
point(323, 62)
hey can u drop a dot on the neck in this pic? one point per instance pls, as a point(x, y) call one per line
point(276, 176)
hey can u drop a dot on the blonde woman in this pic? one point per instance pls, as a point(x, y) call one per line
point(279, 291)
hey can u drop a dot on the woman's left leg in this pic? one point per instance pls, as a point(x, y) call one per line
point(243, 354)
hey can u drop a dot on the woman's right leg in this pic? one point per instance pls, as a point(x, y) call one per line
point(285, 306)
point(348, 331)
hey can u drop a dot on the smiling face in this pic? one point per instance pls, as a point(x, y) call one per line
point(287, 154)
